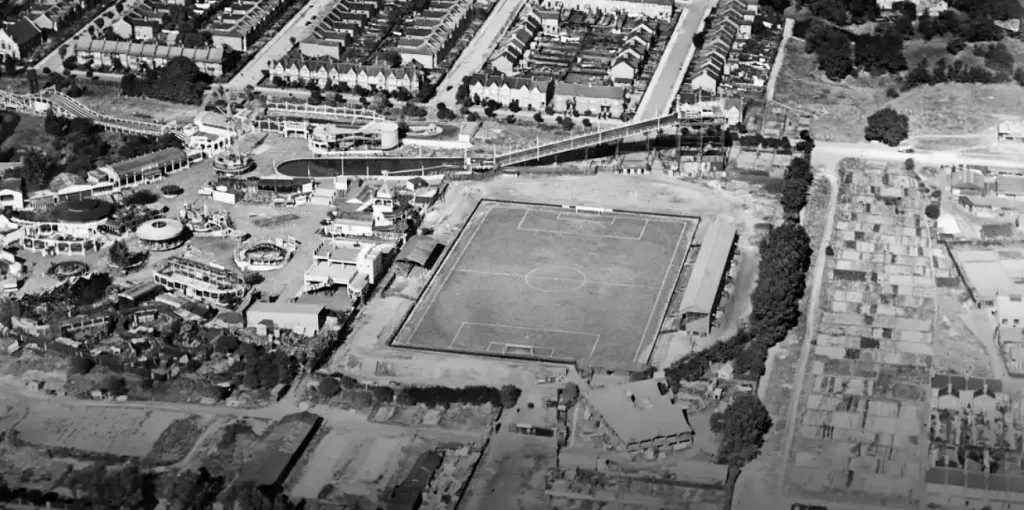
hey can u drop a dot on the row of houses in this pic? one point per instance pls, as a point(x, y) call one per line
point(733, 20)
point(630, 61)
point(324, 71)
point(659, 9)
point(342, 24)
point(428, 36)
point(146, 55)
point(567, 97)
point(518, 45)
point(243, 22)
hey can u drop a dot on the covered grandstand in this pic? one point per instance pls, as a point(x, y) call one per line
point(703, 289)
point(146, 168)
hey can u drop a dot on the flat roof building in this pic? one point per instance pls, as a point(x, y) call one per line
point(700, 299)
point(642, 415)
point(302, 319)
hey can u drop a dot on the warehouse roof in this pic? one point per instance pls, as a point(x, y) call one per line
point(419, 250)
point(149, 161)
point(702, 287)
point(639, 411)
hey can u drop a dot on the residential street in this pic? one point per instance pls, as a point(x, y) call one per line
point(483, 44)
point(665, 83)
point(279, 44)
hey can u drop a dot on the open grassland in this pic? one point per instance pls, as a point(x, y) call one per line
point(841, 109)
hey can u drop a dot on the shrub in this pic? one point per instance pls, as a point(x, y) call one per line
point(932, 211)
point(171, 190)
point(80, 365)
point(141, 197)
point(328, 387)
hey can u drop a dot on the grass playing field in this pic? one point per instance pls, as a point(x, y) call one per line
point(551, 282)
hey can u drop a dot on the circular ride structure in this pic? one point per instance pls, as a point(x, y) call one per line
point(84, 211)
point(263, 255)
point(67, 269)
point(233, 163)
point(161, 234)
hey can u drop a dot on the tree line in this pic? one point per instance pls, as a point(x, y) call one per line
point(179, 81)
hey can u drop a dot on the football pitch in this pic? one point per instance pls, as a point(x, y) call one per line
point(552, 282)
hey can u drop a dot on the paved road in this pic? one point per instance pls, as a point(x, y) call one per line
point(780, 56)
point(829, 153)
point(668, 76)
point(484, 42)
point(279, 44)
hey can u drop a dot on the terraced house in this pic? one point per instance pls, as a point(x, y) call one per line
point(728, 24)
point(504, 89)
point(52, 17)
point(517, 47)
point(345, 21)
point(242, 23)
point(326, 71)
point(428, 35)
point(135, 56)
point(661, 9)
point(630, 60)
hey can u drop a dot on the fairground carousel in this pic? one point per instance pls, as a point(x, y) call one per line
point(264, 255)
point(161, 234)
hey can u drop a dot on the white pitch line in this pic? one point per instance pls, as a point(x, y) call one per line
point(654, 306)
point(456, 337)
point(555, 278)
point(578, 234)
point(543, 330)
point(642, 231)
point(525, 214)
point(448, 276)
point(594, 348)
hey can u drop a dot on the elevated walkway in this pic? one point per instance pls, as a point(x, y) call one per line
point(615, 134)
point(338, 114)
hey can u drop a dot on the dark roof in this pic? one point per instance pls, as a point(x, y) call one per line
point(408, 493)
point(277, 452)
point(419, 250)
point(11, 183)
point(85, 210)
point(149, 161)
point(23, 31)
point(999, 230)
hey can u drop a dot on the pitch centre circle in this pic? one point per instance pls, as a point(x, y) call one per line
point(556, 279)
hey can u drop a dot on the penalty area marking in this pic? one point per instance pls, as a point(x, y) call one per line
point(455, 339)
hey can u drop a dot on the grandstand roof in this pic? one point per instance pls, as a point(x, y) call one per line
point(702, 288)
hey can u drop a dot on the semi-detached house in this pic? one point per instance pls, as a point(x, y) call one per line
point(429, 34)
point(343, 23)
point(505, 90)
point(242, 23)
point(596, 99)
point(324, 71)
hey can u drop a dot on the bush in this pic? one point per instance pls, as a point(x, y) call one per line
point(887, 126)
point(932, 211)
point(171, 190)
point(328, 387)
point(80, 365)
point(114, 385)
point(141, 197)
point(509, 396)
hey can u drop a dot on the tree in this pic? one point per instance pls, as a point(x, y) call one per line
point(514, 106)
point(33, 80)
point(539, 119)
point(509, 396)
point(794, 197)
point(463, 92)
point(887, 126)
point(909, 164)
point(489, 112)
point(226, 344)
point(189, 490)
point(570, 393)
point(926, 26)
point(328, 387)
point(53, 125)
point(115, 385)
point(932, 211)
point(744, 424)
point(834, 55)
point(956, 45)
point(78, 365)
point(511, 119)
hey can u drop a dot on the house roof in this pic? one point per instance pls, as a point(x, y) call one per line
point(168, 156)
point(702, 288)
point(11, 184)
point(23, 31)
point(500, 80)
point(639, 411)
point(316, 64)
point(419, 250)
point(407, 494)
point(276, 452)
point(197, 55)
point(1010, 184)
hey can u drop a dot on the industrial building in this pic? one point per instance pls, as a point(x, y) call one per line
point(703, 289)
point(277, 452)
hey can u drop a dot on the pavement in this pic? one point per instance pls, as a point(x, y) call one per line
point(484, 42)
point(252, 73)
point(787, 33)
point(665, 83)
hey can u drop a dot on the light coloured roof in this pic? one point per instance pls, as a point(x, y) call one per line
point(328, 272)
point(1010, 307)
point(268, 310)
point(159, 230)
point(702, 287)
point(648, 415)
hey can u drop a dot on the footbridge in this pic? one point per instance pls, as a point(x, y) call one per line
point(66, 106)
point(612, 135)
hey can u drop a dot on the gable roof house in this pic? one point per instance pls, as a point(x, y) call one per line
point(20, 38)
point(435, 28)
point(132, 55)
point(710, 62)
point(606, 99)
point(241, 23)
point(52, 16)
point(322, 69)
point(505, 89)
point(337, 28)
